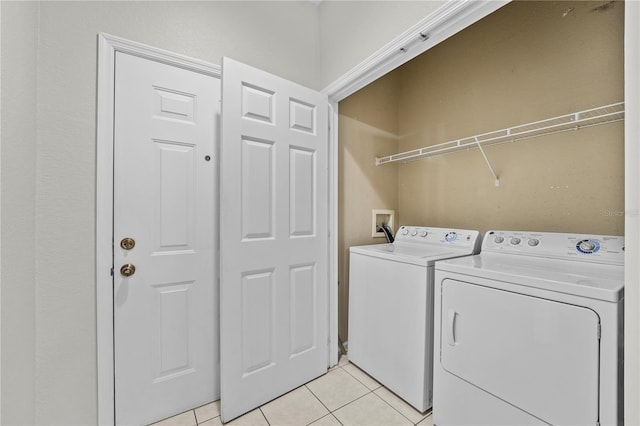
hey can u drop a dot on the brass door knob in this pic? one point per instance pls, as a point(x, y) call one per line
point(127, 270)
point(127, 243)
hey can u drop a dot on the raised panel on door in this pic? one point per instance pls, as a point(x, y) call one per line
point(274, 237)
point(303, 306)
point(538, 355)
point(302, 192)
point(258, 188)
point(165, 314)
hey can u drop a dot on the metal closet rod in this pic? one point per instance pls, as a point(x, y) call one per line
point(562, 123)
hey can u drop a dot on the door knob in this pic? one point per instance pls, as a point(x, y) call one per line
point(127, 243)
point(127, 270)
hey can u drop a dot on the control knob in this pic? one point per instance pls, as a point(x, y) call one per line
point(587, 246)
point(424, 234)
point(414, 233)
point(515, 241)
point(451, 236)
point(533, 242)
point(498, 240)
point(405, 231)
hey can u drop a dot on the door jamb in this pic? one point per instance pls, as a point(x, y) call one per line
point(108, 45)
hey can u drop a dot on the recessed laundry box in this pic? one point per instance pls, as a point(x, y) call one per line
point(391, 307)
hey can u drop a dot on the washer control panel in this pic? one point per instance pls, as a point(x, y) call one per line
point(594, 248)
point(430, 235)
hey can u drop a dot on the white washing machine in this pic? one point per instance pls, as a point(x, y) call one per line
point(529, 332)
point(391, 307)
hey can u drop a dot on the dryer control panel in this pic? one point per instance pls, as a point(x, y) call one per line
point(593, 248)
point(462, 238)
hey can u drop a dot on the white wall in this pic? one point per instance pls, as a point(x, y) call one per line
point(17, 227)
point(351, 31)
point(49, 52)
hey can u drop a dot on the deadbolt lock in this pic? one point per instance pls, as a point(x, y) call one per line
point(127, 270)
point(128, 243)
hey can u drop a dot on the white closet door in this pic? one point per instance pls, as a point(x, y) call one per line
point(165, 313)
point(274, 237)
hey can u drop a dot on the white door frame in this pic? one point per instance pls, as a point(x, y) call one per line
point(108, 45)
point(632, 213)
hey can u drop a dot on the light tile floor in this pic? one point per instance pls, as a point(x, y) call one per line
point(344, 396)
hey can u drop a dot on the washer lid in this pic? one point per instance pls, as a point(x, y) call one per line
point(596, 281)
point(409, 253)
point(420, 245)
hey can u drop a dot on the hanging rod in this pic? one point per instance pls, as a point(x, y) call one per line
point(562, 123)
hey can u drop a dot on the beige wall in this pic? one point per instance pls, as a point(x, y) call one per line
point(367, 128)
point(527, 61)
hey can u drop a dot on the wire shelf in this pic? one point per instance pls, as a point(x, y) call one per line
point(563, 123)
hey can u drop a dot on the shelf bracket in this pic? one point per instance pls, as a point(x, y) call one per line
point(496, 180)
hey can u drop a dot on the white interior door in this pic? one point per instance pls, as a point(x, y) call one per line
point(274, 237)
point(166, 313)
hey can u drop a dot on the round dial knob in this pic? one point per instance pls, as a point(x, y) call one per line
point(498, 240)
point(424, 234)
point(414, 233)
point(451, 236)
point(515, 241)
point(405, 231)
point(533, 242)
point(587, 245)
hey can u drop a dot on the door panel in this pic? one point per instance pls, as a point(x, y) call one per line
point(538, 355)
point(274, 237)
point(165, 314)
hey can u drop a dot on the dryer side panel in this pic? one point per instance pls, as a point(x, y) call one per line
point(539, 355)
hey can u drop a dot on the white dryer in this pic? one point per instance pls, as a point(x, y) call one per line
point(391, 307)
point(529, 332)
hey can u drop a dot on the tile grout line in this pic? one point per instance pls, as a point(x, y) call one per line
point(351, 402)
point(385, 401)
point(374, 392)
point(361, 382)
point(398, 411)
point(319, 400)
point(263, 415)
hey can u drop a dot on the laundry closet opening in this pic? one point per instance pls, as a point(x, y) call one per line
point(527, 61)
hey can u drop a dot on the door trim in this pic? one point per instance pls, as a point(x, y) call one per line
point(451, 18)
point(108, 45)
